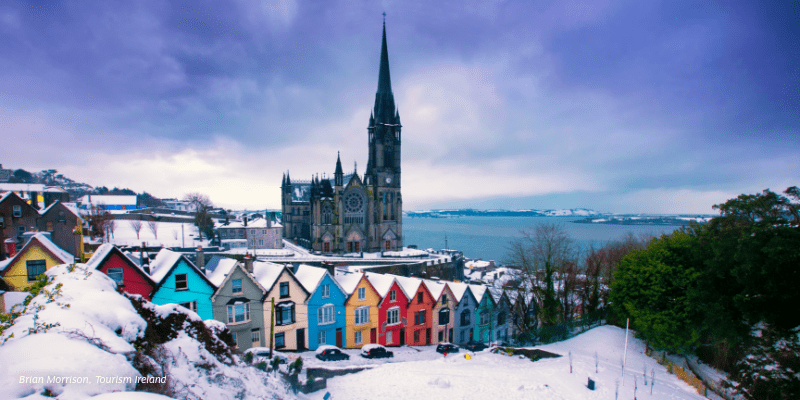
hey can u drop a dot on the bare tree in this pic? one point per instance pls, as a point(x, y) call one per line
point(136, 225)
point(111, 225)
point(202, 206)
point(541, 253)
point(152, 224)
point(98, 221)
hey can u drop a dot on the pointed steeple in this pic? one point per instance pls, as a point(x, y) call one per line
point(397, 117)
point(384, 109)
point(384, 81)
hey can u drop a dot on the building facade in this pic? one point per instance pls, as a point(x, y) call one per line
point(352, 213)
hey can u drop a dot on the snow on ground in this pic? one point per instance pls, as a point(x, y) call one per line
point(169, 234)
point(427, 374)
point(74, 340)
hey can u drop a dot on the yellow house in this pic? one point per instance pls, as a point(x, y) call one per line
point(361, 308)
point(291, 307)
point(37, 256)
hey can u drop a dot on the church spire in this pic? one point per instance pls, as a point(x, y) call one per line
point(338, 175)
point(384, 110)
point(384, 81)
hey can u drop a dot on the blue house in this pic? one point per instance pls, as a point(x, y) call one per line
point(179, 281)
point(326, 309)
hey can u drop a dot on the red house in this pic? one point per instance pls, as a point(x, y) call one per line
point(419, 311)
point(392, 309)
point(129, 276)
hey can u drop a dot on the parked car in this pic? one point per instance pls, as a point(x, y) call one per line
point(331, 353)
point(262, 354)
point(375, 351)
point(474, 346)
point(446, 348)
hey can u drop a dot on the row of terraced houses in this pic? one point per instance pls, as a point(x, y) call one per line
point(307, 306)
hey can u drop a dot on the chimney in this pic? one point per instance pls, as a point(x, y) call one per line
point(248, 263)
point(34, 199)
point(269, 219)
point(11, 247)
point(144, 259)
point(200, 262)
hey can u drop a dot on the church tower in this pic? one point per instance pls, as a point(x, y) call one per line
point(383, 167)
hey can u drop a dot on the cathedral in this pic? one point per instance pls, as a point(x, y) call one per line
point(352, 213)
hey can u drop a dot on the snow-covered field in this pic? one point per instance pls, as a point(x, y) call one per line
point(170, 234)
point(427, 374)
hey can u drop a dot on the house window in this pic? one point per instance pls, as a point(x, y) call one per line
point(255, 335)
point(326, 291)
point(2, 222)
point(235, 340)
point(284, 290)
point(280, 340)
point(237, 286)
point(181, 282)
point(441, 335)
point(326, 247)
point(20, 230)
point(362, 293)
point(393, 295)
point(264, 232)
point(466, 301)
point(116, 275)
point(416, 336)
point(192, 305)
point(419, 297)
point(260, 242)
point(389, 337)
point(325, 315)
point(464, 318)
point(393, 316)
point(463, 336)
point(17, 211)
point(419, 317)
point(388, 245)
point(501, 318)
point(35, 268)
point(362, 315)
point(444, 299)
point(444, 317)
point(484, 318)
point(238, 313)
point(323, 338)
point(284, 313)
point(49, 226)
point(357, 337)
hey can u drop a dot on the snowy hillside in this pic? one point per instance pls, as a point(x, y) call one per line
point(79, 337)
point(496, 376)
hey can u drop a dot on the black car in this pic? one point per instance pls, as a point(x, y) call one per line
point(331, 353)
point(375, 351)
point(474, 346)
point(446, 348)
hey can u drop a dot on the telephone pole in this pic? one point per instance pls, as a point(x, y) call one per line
point(271, 328)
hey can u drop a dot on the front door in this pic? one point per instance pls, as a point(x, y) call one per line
point(428, 336)
point(373, 336)
point(402, 337)
point(301, 339)
point(339, 337)
point(451, 336)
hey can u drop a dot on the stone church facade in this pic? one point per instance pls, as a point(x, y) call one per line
point(352, 213)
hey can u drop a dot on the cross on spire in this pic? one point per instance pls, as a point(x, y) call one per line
point(384, 17)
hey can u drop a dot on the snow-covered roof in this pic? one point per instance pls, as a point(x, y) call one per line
point(409, 285)
point(4, 263)
point(436, 288)
point(99, 255)
point(382, 283)
point(70, 209)
point(266, 273)
point(309, 276)
point(221, 270)
point(163, 262)
point(348, 282)
point(108, 199)
point(478, 291)
point(13, 298)
point(61, 254)
point(458, 289)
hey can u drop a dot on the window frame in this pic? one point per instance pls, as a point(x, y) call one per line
point(280, 340)
point(16, 211)
point(255, 335)
point(396, 311)
point(185, 282)
point(234, 286)
point(393, 295)
point(288, 308)
point(112, 272)
point(35, 264)
point(326, 291)
point(233, 312)
point(358, 338)
point(446, 312)
point(326, 314)
point(361, 316)
point(284, 285)
point(362, 293)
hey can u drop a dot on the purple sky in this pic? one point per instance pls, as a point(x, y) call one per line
point(623, 106)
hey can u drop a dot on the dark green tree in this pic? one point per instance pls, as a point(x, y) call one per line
point(651, 287)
